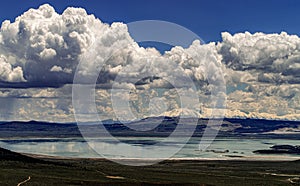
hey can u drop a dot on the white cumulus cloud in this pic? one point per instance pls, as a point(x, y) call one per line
point(44, 48)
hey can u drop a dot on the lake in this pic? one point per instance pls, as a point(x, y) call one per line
point(221, 148)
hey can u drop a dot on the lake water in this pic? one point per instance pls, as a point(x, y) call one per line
point(221, 148)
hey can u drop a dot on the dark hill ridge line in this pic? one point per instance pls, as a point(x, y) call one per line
point(11, 156)
point(14, 156)
point(234, 127)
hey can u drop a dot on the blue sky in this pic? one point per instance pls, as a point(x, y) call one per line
point(262, 70)
point(206, 18)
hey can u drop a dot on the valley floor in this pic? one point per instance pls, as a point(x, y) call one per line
point(46, 171)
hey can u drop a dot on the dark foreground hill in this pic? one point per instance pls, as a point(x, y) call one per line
point(7, 155)
point(47, 171)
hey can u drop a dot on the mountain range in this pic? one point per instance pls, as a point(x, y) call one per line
point(153, 126)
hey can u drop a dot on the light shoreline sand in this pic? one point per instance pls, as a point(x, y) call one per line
point(245, 158)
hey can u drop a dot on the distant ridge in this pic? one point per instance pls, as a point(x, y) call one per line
point(156, 126)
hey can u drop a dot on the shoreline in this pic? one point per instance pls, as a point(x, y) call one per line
point(246, 158)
